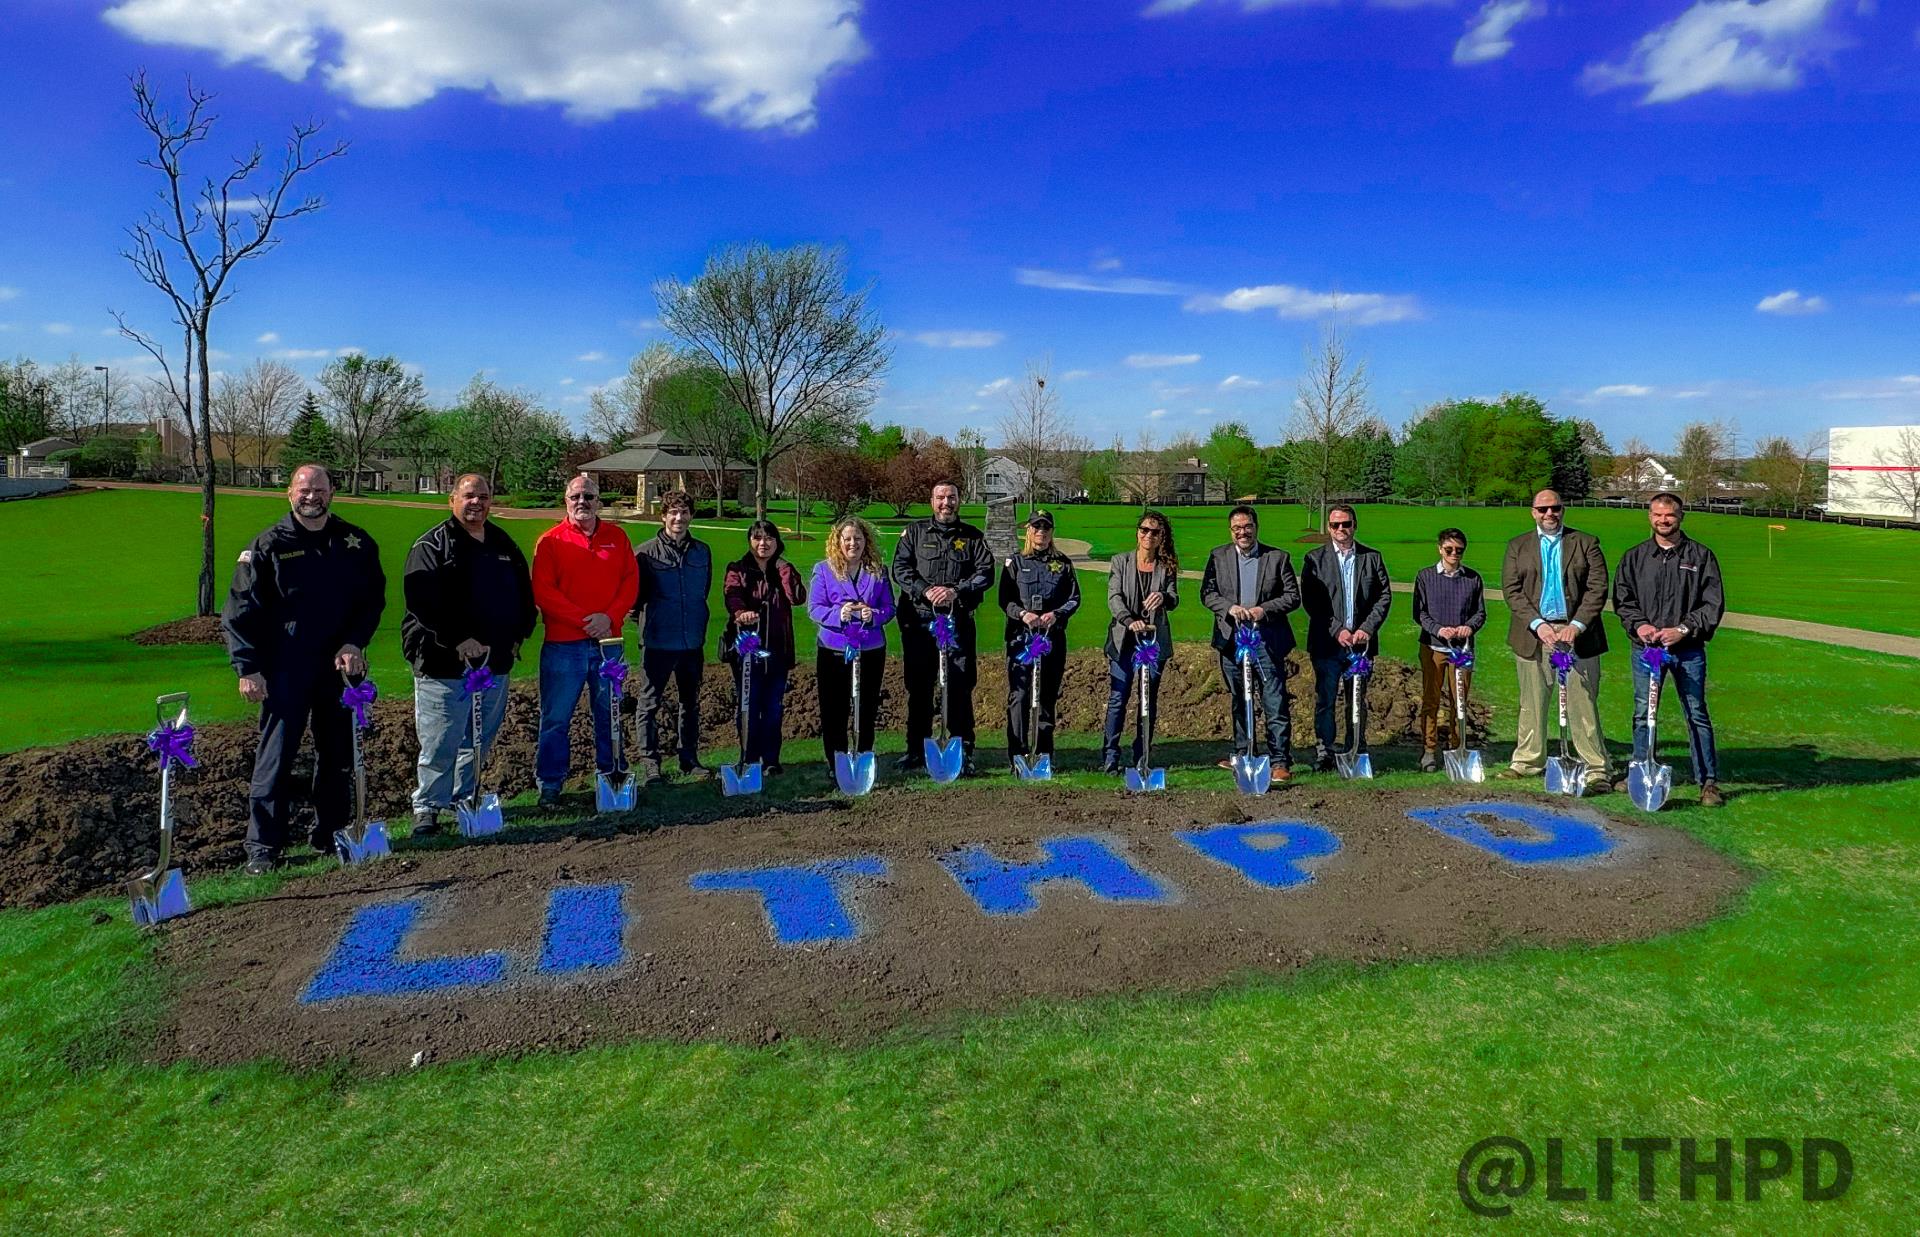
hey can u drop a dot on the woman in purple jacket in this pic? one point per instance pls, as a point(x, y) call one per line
point(851, 601)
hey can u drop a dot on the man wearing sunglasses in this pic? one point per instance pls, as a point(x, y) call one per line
point(1346, 593)
point(1555, 581)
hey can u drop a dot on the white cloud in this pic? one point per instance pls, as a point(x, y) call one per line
point(1237, 382)
point(1740, 46)
point(1792, 303)
point(993, 388)
point(7, 294)
point(1359, 308)
point(313, 354)
point(267, 337)
point(1912, 298)
point(1067, 281)
point(591, 356)
point(959, 339)
point(566, 382)
point(1074, 375)
point(1490, 36)
point(1622, 390)
point(1106, 264)
point(59, 328)
point(754, 63)
point(1156, 413)
point(1160, 360)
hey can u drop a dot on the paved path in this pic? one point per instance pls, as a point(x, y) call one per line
point(1793, 629)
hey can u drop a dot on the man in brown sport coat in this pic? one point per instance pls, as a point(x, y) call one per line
point(1559, 607)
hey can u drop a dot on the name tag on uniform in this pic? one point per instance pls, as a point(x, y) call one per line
point(290, 554)
point(1688, 567)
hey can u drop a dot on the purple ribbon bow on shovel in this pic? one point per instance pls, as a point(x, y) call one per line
point(1562, 660)
point(852, 651)
point(747, 644)
point(1038, 646)
point(1246, 643)
point(1653, 657)
point(1460, 658)
point(479, 679)
point(173, 743)
point(1146, 654)
point(615, 673)
point(357, 697)
point(943, 636)
point(1359, 665)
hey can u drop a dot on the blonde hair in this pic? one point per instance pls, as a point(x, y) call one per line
point(869, 553)
point(1026, 539)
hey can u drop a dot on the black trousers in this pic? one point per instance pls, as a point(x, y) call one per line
point(685, 668)
point(834, 674)
point(297, 702)
point(921, 660)
point(1020, 700)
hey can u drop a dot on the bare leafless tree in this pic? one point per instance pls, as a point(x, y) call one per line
point(364, 398)
point(799, 352)
point(1034, 431)
point(623, 409)
point(209, 230)
point(270, 393)
point(1898, 482)
point(1333, 402)
point(227, 418)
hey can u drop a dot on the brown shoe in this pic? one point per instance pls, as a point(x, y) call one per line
point(1282, 774)
point(1710, 795)
point(1511, 774)
point(1225, 763)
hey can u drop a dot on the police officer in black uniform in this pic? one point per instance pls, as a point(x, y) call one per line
point(940, 565)
point(1039, 590)
point(306, 598)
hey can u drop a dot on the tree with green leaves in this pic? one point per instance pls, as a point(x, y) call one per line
point(310, 439)
point(693, 403)
point(366, 397)
point(24, 417)
point(1234, 459)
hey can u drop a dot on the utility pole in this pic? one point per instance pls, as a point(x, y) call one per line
point(106, 396)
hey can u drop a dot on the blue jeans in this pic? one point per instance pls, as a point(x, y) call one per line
point(443, 718)
point(1124, 697)
point(1328, 713)
point(565, 667)
point(1689, 671)
point(766, 709)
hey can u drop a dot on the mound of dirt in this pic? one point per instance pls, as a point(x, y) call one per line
point(689, 951)
point(82, 818)
point(200, 629)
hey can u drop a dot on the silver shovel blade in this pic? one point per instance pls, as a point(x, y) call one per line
point(1465, 765)
point(612, 792)
point(944, 760)
point(371, 844)
point(1253, 774)
point(853, 772)
point(1649, 784)
point(1141, 780)
point(154, 901)
point(481, 817)
point(1354, 764)
point(1566, 776)
point(743, 781)
point(1039, 769)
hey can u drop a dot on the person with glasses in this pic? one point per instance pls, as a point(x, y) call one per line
point(1449, 606)
point(1555, 582)
point(1143, 588)
point(1039, 591)
point(1346, 593)
point(584, 581)
point(1249, 583)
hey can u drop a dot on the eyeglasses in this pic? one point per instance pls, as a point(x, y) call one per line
point(1148, 529)
point(1453, 549)
point(1550, 507)
point(1339, 523)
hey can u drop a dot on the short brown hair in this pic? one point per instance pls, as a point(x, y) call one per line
point(676, 500)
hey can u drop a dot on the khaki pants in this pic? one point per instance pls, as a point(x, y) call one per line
point(1538, 726)
point(1438, 720)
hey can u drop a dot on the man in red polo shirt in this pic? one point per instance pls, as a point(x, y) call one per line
point(584, 581)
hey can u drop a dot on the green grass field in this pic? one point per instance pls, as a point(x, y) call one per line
point(1341, 1098)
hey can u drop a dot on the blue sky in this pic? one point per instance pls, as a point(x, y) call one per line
point(1644, 212)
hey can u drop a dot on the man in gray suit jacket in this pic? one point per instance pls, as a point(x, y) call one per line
point(1345, 590)
point(1250, 584)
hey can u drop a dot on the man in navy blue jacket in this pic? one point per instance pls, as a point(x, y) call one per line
point(676, 573)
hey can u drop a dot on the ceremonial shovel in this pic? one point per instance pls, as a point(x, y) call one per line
point(162, 893)
point(1038, 768)
point(944, 755)
point(1462, 765)
point(1565, 775)
point(744, 779)
point(853, 770)
point(1353, 762)
point(1144, 777)
point(1253, 774)
point(363, 839)
point(1648, 782)
point(479, 814)
point(613, 792)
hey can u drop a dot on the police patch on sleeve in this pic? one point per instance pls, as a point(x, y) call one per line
point(246, 556)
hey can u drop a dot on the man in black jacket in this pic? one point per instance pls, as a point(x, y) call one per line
point(940, 566)
point(469, 603)
point(305, 600)
point(1667, 592)
point(1251, 584)
point(1345, 590)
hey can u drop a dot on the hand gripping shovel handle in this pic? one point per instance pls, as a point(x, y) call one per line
point(359, 832)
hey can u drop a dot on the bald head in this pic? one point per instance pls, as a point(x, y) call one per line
point(1548, 511)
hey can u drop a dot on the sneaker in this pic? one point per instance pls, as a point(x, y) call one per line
point(1110, 765)
point(1711, 795)
point(1323, 763)
point(549, 797)
point(1225, 762)
point(426, 823)
point(1599, 786)
point(260, 865)
point(1429, 761)
point(694, 771)
point(968, 768)
point(775, 770)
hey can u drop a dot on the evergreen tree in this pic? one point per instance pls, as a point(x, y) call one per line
point(310, 439)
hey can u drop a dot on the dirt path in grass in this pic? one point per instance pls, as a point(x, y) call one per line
point(665, 952)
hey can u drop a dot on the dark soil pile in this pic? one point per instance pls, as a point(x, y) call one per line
point(200, 629)
point(82, 818)
point(703, 965)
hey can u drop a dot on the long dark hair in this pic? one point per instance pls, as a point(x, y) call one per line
point(1165, 553)
point(772, 530)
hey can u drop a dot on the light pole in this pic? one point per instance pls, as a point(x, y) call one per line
point(106, 396)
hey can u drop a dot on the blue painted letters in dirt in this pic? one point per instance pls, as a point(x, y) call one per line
point(1003, 888)
point(366, 962)
point(1267, 854)
point(803, 904)
point(586, 925)
point(1563, 838)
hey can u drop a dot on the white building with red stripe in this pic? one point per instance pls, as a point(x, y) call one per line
point(1874, 470)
